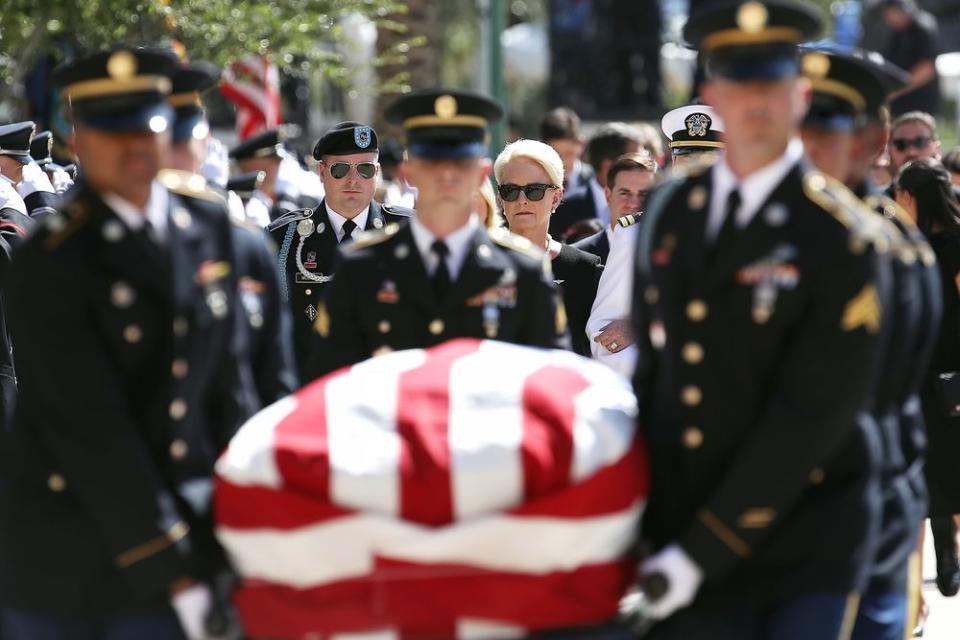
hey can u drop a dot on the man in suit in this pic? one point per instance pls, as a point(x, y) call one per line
point(308, 239)
point(122, 312)
point(844, 131)
point(587, 201)
point(761, 292)
point(443, 275)
point(264, 332)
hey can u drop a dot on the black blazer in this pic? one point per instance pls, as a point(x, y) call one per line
point(598, 244)
point(753, 372)
point(128, 392)
point(577, 273)
point(577, 205)
point(303, 286)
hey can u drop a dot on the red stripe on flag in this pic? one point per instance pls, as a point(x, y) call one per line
point(423, 411)
point(246, 507)
point(429, 599)
point(548, 414)
point(301, 447)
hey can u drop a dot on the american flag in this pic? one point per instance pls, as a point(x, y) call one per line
point(473, 490)
point(253, 85)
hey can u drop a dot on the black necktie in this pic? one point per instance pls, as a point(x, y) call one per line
point(148, 234)
point(441, 276)
point(348, 227)
point(728, 230)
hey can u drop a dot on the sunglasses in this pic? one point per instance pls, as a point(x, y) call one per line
point(919, 143)
point(339, 170)
point(534, 192)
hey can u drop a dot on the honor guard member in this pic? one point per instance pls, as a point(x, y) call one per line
point(246, 184)
point(264, 332)
point(41, 150)
point(844, 131)
point(308, 239)
point(32, 183)
point(695, 132)
point(443, 275)
point(760, 296)
point(124, 329)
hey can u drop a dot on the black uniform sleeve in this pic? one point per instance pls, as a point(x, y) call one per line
point(823, 383)
point(337, 336)
point(82, 418)
point(41, 203)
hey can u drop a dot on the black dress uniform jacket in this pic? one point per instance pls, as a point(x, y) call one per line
point(383, 299)
point(915, 318)
point(127, 394)
point(751, 376)
point(577, 273)
point(266, 333)
point(14, 227)
point(41, 204)
point(308, 248)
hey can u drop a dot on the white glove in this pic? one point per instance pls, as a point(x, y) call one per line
point(10, 199)
point(683, 576)
point(258, 208)
point(34, 179)
point(289, 176)
point(216, 165)
point(192, 606)
point(61, 180)
point(235, 206)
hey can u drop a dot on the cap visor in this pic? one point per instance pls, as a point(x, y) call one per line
point(836, 122)
point(155, 118)
point(438, 151)
point(748, 70)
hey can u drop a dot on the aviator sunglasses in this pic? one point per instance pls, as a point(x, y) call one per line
point(340, 170)
point(920, 143)
point(534, 192)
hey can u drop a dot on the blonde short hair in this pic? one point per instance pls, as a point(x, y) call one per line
point(494, 217)
point(534, 150)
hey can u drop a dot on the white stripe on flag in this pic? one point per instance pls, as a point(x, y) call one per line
point(471, 629)
point(250, 458)
point(344, 547)
point(364, 635)
point(362, 433)
point(486, 428)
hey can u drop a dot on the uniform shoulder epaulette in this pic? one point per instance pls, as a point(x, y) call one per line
point(629, 219)
point(191, 185)
point(295, 215)
point(865, 229)
point(64, 223)
point(394, 210)
point(373, 237)
point(512, 241)
point(890, 210)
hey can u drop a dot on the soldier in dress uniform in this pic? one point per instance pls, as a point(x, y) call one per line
point(32, 183)
point(695, 132)
point(121, 308)
point(443, 275)
point(264, 331)
point(246, 184)
point(308, 239)
point(760, 295)
point(41, 151)
point(844, 131)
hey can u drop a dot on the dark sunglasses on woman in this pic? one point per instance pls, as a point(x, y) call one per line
point(339, 170)
point(534, 192)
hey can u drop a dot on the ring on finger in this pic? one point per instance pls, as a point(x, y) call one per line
point(614, 346)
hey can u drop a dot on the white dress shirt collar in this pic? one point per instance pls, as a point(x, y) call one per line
point(337, 220)
point(754, 189)
point(156, 211)
point(458, 244)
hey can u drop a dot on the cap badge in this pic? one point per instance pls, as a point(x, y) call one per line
point(122, 65)
point(698, 124)
point(362, 136)
point(816, 65)
point(752, 17)
point(445, 107)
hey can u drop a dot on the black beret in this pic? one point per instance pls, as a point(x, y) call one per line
point(15, 140)
point(346, 138)
point(442, 123)
point(121, 89)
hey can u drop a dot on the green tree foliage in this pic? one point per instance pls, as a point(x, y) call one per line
point(302, 35)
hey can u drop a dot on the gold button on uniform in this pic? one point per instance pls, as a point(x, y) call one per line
point(436, 327)
point(132, 333)
point(697, 310)
point(178, 449)
point(651, 294)
point(692, 437)
point(691, 395)
point(179, 368)
point(56, 482)
point(692, 353)
point(180, 326)
point(178, 409)
point(816, 476)
point(384, 326)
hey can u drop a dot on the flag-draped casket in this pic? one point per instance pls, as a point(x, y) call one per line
point(472, 490)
